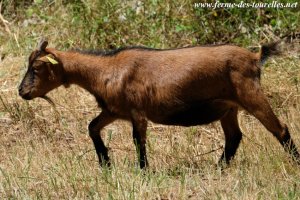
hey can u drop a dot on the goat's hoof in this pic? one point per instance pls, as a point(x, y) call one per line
point(222, 165)
point(296, 160)
point(105, 164)
point(144, 166)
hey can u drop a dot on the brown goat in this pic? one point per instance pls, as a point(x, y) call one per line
point(186, 86)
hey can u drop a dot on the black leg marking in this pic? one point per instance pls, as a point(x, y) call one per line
point(94, 130)
point(233, 135)
point(139, 129)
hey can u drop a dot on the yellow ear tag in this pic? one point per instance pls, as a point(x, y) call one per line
point(54, 62)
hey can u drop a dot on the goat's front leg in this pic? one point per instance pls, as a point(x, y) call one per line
point(139, 129)
point(103, 119)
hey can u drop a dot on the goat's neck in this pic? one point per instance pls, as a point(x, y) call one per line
point(83, 70)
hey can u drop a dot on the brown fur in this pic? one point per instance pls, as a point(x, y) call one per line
point(187, 86)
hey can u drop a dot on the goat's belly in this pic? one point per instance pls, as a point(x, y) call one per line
point(196, 114)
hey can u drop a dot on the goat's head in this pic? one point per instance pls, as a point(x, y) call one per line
point(44, 73)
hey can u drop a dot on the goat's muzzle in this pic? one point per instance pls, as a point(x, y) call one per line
point(24, 94)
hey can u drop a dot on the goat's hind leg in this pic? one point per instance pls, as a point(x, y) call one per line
point(257, 105)
point(94, 130)
point(233, 135)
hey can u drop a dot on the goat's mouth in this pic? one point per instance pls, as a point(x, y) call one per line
point(25, 93)
point(26, 96)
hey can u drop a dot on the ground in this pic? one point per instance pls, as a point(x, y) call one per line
point(45, 152)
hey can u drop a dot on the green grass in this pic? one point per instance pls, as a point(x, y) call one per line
point(46, 153)
point(154, 23)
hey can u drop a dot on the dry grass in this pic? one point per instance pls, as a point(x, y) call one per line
point(46, 152)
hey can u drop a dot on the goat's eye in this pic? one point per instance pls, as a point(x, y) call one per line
point(35, 67)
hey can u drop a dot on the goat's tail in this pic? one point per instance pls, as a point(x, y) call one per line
point(268, 50)
point(287, 43)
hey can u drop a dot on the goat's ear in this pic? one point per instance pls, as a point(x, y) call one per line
point(48, 59)
point(42, 45)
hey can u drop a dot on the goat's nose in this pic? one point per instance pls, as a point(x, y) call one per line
point(20, 89)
